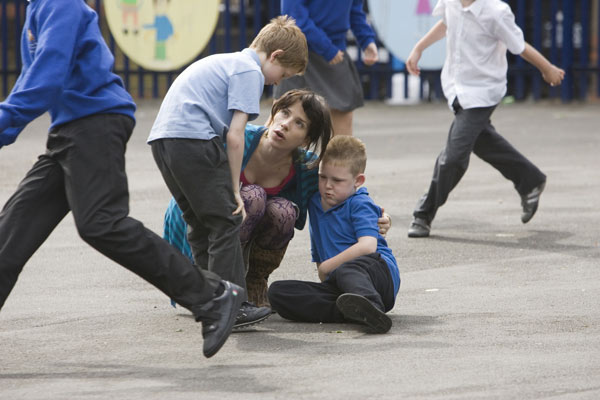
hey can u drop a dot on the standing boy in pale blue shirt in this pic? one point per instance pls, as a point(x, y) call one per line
point(198, 142)
point(479, 32)
point(358, 272)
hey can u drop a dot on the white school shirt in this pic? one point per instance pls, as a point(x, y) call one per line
point(477, 38)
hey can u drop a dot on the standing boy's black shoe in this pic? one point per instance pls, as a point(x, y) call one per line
point(218, 316)
point(357, 308)
point(249, 314)
point(530, 202)
point(419, 228)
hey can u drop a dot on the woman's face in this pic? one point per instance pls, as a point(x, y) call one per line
point(289, 128)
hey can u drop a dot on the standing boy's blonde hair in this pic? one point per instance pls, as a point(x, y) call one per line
point(347, 151)
point(282, 33)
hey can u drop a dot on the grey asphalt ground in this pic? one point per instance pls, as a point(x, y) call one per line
point(489, 308)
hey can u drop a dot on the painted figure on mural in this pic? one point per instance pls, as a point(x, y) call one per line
point(423, 7)
point(129, 9)
point(164, 28)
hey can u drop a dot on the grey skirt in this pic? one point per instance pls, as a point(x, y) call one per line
point(339, 84)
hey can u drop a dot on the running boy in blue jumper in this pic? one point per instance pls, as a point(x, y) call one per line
point(474, 81)
point(67, 70)
point(358, 272)
point(198, 143)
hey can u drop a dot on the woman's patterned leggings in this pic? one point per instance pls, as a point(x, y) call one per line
point(269, 221)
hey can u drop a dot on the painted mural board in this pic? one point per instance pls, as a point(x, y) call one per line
point(162, 35)
point(401, 23)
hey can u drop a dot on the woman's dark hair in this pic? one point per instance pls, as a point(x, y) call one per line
point(319, 120)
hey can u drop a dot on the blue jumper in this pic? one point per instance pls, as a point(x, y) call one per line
point(326, 23)
point(67, 70)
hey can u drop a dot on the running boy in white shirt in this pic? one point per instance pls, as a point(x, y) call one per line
point(474, 81)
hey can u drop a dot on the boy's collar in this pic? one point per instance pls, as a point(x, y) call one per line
point(360, 190)
point(475, 7)
point(252, 54)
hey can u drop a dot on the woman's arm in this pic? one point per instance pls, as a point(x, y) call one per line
point(384, 222)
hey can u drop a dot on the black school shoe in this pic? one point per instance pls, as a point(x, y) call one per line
point(419, 228)
point(250, 314)
point(358, 309)
point(530, 202)
point(218, 317)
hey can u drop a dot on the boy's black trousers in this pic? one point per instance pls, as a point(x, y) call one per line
point(83, 171)
point(198, 175)
point(306, 301)
point(472, 131)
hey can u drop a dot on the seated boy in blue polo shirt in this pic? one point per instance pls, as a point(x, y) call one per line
point(358, 272)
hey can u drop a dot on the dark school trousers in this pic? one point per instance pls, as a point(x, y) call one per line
point(306, 301)
point(197, 174)
point(83, 171)
point(472, 131)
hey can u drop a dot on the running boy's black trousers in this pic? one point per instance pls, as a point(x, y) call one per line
point(305, 301)
point(83, 171)
point(472, 131)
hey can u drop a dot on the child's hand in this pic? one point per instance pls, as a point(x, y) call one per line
point(370, 54)
point(553, 75)
point(240, 207)
point(339, 57)
point(412, 62)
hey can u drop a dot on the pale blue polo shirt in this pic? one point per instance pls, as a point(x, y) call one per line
point(335, 230)
point(201, 101)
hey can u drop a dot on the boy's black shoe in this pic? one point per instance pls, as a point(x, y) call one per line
point(357, 308)
point(249, 315)
point(218, 316)
point(419, 228)
point(530, 202)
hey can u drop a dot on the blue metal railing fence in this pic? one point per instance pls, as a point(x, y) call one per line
point(565, 31)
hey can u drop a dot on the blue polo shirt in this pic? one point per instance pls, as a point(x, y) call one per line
point(337, 229)
point(201, 101)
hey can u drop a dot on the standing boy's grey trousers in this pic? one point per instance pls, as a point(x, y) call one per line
point(197, 174)
point(472, 131)
point(83, 171)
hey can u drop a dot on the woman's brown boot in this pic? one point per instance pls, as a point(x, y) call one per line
point(262, 263)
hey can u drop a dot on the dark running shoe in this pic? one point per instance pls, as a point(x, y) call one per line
point(249, 314)
point(218, 317)
point(419, 228)
point(530, 203)
point(359, 309)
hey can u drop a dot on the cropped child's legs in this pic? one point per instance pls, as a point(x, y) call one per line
point(305, 301)
point(197, 174)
